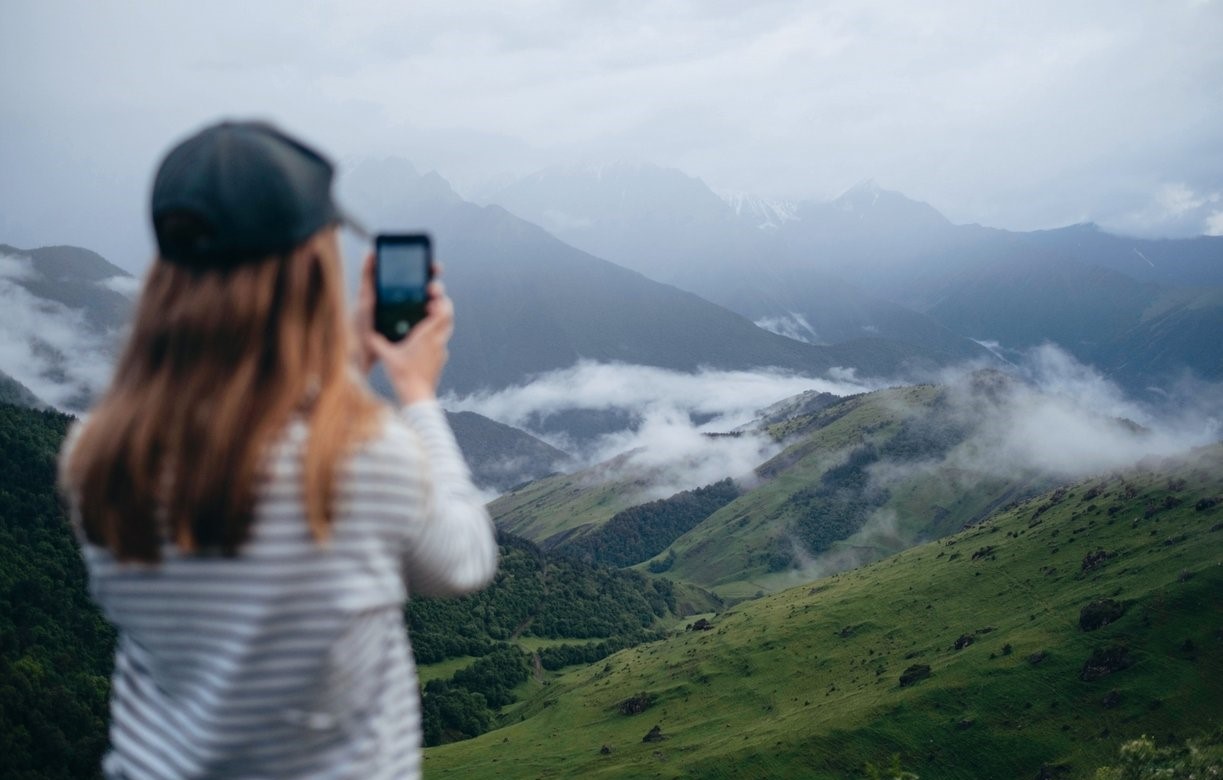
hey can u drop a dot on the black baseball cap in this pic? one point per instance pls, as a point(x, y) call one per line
point(239, 191)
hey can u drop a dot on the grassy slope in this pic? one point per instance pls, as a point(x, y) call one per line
point(728, 552)
point(567, 502)
point(563, 503)
point(725, 551)
point(778, 690)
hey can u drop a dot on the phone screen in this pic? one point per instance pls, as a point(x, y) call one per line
point(403, 268)
point(403, 272)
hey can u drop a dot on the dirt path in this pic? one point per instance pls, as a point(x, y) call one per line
point(520, 628)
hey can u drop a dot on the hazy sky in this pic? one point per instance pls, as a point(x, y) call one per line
point(1018, 115)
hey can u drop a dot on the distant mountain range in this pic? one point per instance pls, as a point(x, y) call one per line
point(529, 303)
point(875, 262)
point(661, 271)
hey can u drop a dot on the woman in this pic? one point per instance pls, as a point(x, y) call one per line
point(252, 517)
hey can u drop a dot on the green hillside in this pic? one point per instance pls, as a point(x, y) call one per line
point(55, 648)
point(860, 478)
point(17, 394)
point(563, 507)
point(1083, 618)
point(551, 509)
point(539, 612)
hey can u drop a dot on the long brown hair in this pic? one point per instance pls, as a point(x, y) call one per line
point(217, 364)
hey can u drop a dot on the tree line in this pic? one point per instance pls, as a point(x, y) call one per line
point(639, 533)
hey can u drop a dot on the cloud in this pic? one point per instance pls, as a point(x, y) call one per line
point(726, 398)
point(1050, 419)
point(1174, 208)
point(127, 286)
point(15, 268)
point(1018, 116)
point(47, 346)
point(666, 453)
point(665, 441)
point(794, 326)
point(1053, 416)
point(1214, 224)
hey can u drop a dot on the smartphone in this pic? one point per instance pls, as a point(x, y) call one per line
point(403, 267)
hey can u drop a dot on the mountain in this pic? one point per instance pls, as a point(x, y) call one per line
point(66, 308)
point(563, 506)
point(1192, 262)
point(1138, 309)
point(873, 261)
point(674, 229)
point(1033, 644)
point(17, 394)
point(501, 456)
point(763, 213)
point(1179, 329)
point(77, 278)
point(529, 303)
point(859, 479)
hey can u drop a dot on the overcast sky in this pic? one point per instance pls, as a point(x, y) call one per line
point(1014, 114)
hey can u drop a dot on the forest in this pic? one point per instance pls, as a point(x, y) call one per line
point(640, 532)
point(55, 647)
point(534, 595)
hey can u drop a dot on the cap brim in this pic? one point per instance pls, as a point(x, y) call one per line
point(349, 221)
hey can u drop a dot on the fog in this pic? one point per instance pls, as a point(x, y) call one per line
point(48, 347)
point(1017, 116)
point(1056, 415)
point(1047, 419)
point(667, 446)
point(727, 398)
point(1052, 419)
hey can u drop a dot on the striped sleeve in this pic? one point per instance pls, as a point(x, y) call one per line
point(453, 550)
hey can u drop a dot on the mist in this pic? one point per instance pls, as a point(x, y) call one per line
point(48, 347)
point(1049, 420)
point(667, 444)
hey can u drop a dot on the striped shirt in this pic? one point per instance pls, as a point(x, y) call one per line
point(292, 658)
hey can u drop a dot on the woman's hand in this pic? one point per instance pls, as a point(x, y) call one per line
point(414, 365)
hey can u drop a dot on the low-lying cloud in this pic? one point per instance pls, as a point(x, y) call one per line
point(47, 346)
point(1067, 420)
point(1050, 420)
point(669, 443)
point(725, 399)
point(1049, 415)
point(1047, 419)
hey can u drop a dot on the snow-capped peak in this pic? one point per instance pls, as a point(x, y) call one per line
point(765, 214)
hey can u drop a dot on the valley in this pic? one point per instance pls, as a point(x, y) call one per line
point(780, 491)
